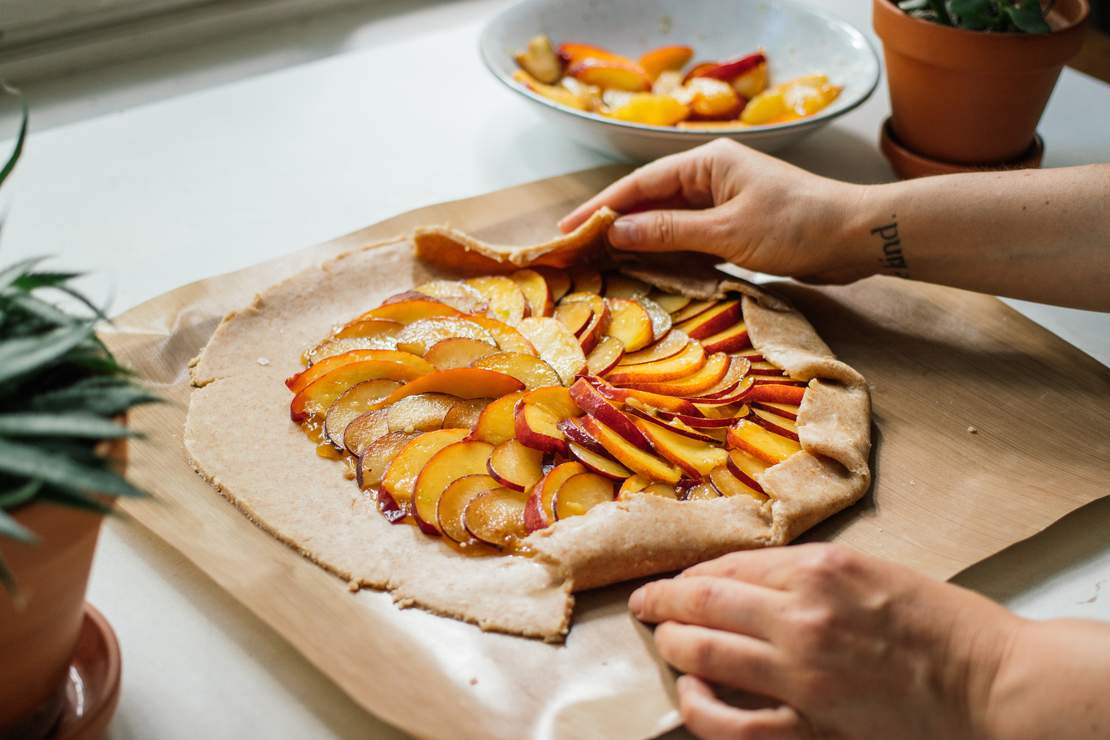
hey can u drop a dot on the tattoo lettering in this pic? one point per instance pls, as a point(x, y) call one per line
point(893, 260)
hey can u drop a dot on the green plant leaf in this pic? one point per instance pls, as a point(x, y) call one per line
point(58, 470)
point(973, 15)
point(20, 495)
point(47, 312)
point(61, 425)
point(104, 396)
point(12, 529)
point(940, 9)
point(1027, 16)
point(26, 354)
point(32, 280)
point(10, 274)
point(21, 137)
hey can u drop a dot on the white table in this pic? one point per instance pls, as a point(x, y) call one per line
point(192, 164)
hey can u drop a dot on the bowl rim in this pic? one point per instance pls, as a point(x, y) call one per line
point(674, 132)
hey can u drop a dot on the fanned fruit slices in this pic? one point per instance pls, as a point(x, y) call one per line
point(483, 410)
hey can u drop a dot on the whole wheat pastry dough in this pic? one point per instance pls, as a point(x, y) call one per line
point(238, 436)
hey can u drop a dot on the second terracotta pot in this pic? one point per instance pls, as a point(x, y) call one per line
point(969, 96)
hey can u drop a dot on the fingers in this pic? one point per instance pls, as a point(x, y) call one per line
point(710, 718)
point(670, 231)
point(725, 658)
point(766, 567)
point(718, 603)
point(660, 180)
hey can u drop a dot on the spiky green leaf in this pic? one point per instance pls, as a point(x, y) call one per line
point(27, 354)
point(81, 425)
point(21, 494)
point(32, 280)
point(32, 462)
point(13, 272)
point(102, 396)
point(17, 150)
point(9, 527)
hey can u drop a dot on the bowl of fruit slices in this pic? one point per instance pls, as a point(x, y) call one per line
point(641, 79)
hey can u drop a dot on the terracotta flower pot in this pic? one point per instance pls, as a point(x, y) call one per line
point(972, 97)
point(39, 625)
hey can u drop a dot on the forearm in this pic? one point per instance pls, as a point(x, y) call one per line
point(1041, 235)
point(1054, 683)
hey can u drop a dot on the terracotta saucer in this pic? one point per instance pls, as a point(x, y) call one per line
point(908, 163)
point(92, 686)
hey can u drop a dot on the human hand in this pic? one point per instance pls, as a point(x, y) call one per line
point(851, 646)
point(738, 204)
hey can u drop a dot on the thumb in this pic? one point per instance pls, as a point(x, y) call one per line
point(666, 231)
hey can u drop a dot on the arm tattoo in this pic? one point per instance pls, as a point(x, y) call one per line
point(893, 261)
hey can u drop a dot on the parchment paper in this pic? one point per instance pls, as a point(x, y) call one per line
point(987, 430)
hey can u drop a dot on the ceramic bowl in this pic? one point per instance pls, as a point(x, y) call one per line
point(797, 38)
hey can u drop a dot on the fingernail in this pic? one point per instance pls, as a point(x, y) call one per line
point(636, 601)
point(624, 232)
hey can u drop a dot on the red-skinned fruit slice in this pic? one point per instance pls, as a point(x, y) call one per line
point(315, 398)
point(788, 394)
point(636, 484)
point(788, 410)
point(692, 309)
point(634, 458)
point(532, 371)
point(508, 339)
point(598, 462)
point(670, 302)
point(694, 384)
point(558, 282)
point(515, 466)
point(702, 491)
point(574, 432)
point(728, 484)
point(630, 323)
point(538, 428)
point(407, 312)
point(539, 513)
point(497, 517)
point(420, 413)
point(775, 423)
point(747, 469)
point(605, 356)
point(660, 320)
point(587, 397)
point(686, 362)
point(377, 456)
point(716, 319)
point(580, 493)
point(670, 345)
point(587, 280)
point(694, 456)
point(443, 468)
point(556, 346)
point(736, 395)
point(401, 473)
point(496, 423)
point(731, 68)
point(536, 293)
point(622, 286)
point(353, 403)
point(656, 400)
point(453, 502)
point(506, 300)
point(364, 430)
point(307, 377)
point(727, 385)
point(762, 367)
point(702, 422)
point(766, 445)
point(455, 294)
point(639, 414)
point(465, 412)
point(376, 334)
point(448, 354)
point(463, 382)
point(419, 336)
point(732, 339)
point(575, 316)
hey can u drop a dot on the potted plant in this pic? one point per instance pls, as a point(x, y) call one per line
point(969, 79)
point(62, 441)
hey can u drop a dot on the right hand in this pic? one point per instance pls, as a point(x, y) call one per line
point(738, 204)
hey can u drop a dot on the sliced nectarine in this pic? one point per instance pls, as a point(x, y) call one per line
point(407, 312)
point(506, 300)
point(747, 468)
point(306, 377)
point(766, 445)
point(695, 456)
point(447, 354)
point(621, 286)
point(789, 394)
point(639, 485)
point(589, 399)
point(455, 294)
point(700, 492)
point(630, 323)
point(515, 466)
point(727, 484)
point(508, 339)
point(443, 468)
point(497, 517)
point(642, 414)
point(775, 423)
point(453, 501)
point(535, 290)
point(692, 309)
point(539, 512)
point(575, 316)
point(365, 429)
point(573, 430)
point(660, 319)
point(495, 423)
point(752, 82)
point(732, 339)
point(729, 384)
point(420, 335)
point(634, 458)
point(718, 318)
point(708, 376)
point(353, 403)
point(598, 462)
point(465, 412)
point(462, 382)
point(580, 493)
point(762, 367)
point(732, 68)
point(788, 410)
point(366, 334)
point(664, 58)
point(421, 412)
point(649, 109)
point(610, 74)
point(377, 455)
point(558, 281)
point(555, 93)
point(401, 472)
point(531, 371)
point(713, 99)
point(688, 361)
point(538, 428)
point(556, 346)
point(540, 60)
point(605, 356)
point(657, 400)
point(670, 345)
point(738, 394)
point(587, 280)
point(670, 302)
point(315, 398)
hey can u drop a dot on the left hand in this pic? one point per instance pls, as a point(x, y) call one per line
point(847, 645)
